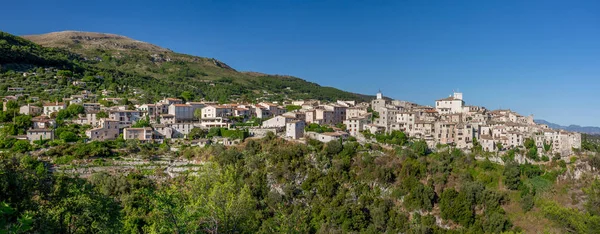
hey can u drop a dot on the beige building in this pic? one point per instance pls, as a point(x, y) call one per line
point(445, 132)
point(141, 134)
point(30, 110)
point(328, 136)
point(355, 125)
point(40, 134)
point(108, 130)
point(126, 118)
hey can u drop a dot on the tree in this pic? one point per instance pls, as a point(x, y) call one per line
point(22, 123)
point(529, 143)
point(102, 114)
point(512, 176)
point(21, 146)
point(68, 136)
point(499, 146)
point(197, 133)
point(593, 199)
point(333, 147)
point(527, 202)
point(74, 110)
point(198, 113)
point(142, 123)
point(12, 105)
point(420, 147)
point(187, 96)
point(292, 107)
point(64, 73)
point(456, 206)
point(547, 147)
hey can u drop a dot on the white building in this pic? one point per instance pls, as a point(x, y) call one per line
point(214, 111)
point(449, 105)
point(277, 122)
point(295, 129)
point(50, 108)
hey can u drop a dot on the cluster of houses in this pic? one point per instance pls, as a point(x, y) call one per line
point(449, 122)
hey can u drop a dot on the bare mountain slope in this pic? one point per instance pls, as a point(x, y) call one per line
point(91, 40)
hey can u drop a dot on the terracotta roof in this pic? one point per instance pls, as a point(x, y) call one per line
point(268, 104)
point(448, 99)
point(335, 133)
point(182, 105)
point(40, 130)
point(138, 129)
point(218, 106)
point(54, 104)
point(485, 137)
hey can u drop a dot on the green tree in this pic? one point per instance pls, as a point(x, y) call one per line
point(142, 123)
point(499, 146)
point(64, 73)
point(593, 199)
point(456, 206)
point(22, 123)
point(333, 147)
point(21, 146)
point(102, 114)
point(420, 148)
point(68, 136)
point(198, 113)
point(12, 105)
point(529, 143)
point(75, 109)
point(512, 176)
point(187, 96)
point(292, 107)
point(197, 133)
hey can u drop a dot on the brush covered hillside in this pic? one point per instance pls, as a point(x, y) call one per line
point(124, 65)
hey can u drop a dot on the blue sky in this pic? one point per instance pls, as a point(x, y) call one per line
point(534, 57)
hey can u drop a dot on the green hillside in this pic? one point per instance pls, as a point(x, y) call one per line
point(122, 65)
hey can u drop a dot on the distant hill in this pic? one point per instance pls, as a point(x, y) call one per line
point(572, 128)
point(159, 71)
point(80, 41)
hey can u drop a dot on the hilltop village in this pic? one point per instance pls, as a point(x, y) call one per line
point(450, 122)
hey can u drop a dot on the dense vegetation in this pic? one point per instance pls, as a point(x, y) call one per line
point(271, 185)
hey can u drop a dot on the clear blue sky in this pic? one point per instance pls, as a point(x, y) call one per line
point(534, 57)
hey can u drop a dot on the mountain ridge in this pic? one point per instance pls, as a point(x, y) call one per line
point(572, 128)
point(102, 40)
point(160, 72)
